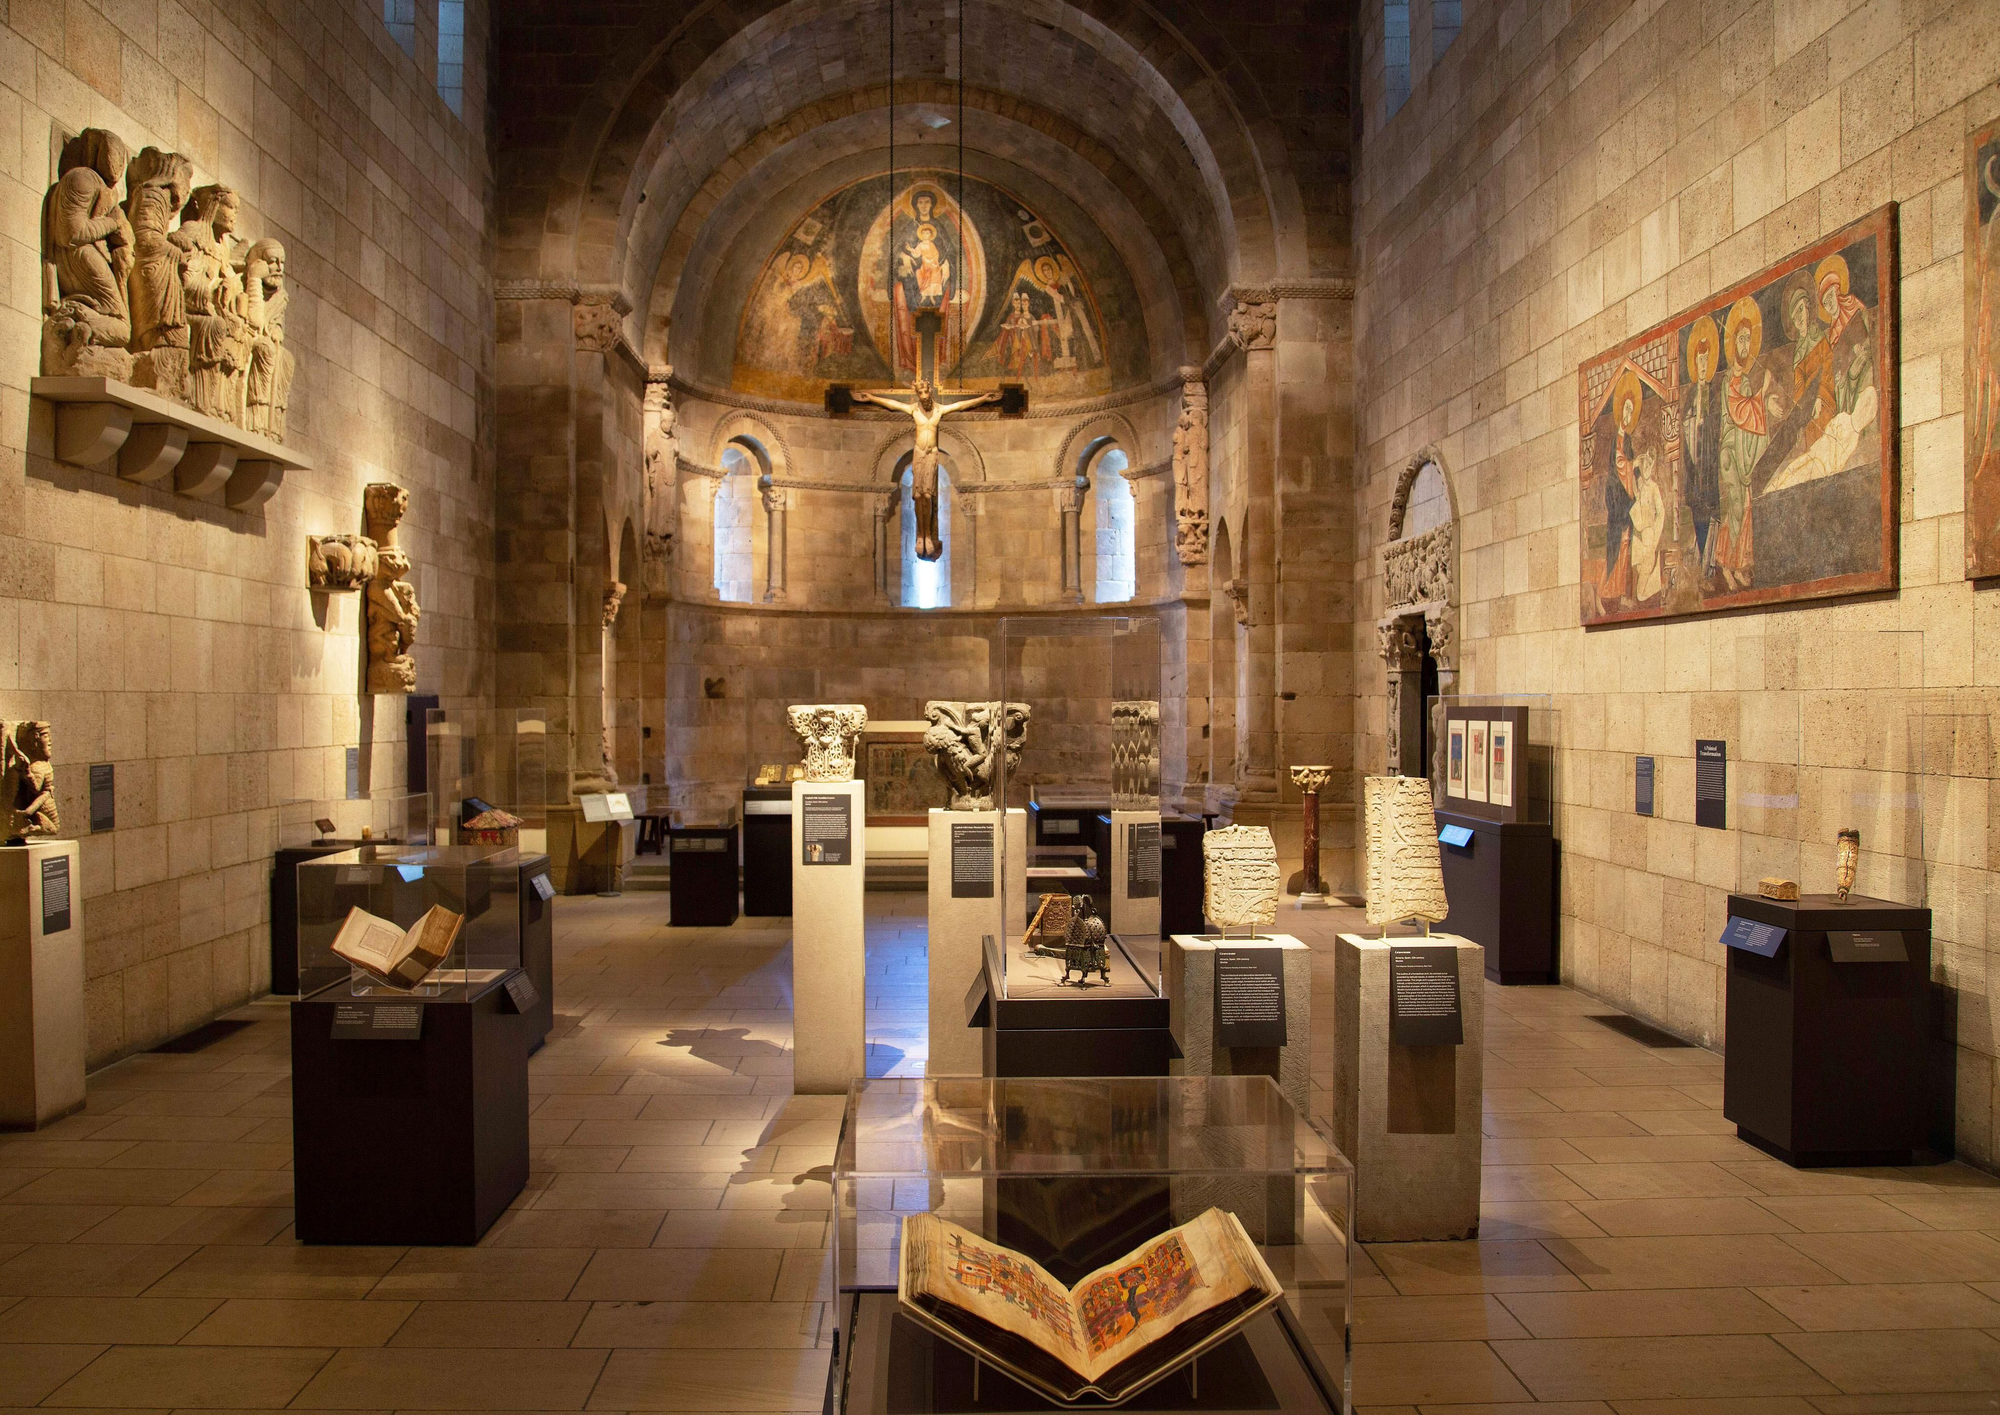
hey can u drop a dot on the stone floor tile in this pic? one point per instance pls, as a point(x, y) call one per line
point(701, 1325)
point(495, 1324)
point(129, 1321)
point(300, 1321)
point(484, 1274)
point(1502, 1221)
point(1738, 1260)
point(1612, 1368)
point(1696, 1312)
point(453, 1378)
point(575, 1228)
point(724, 1380)
point(1695, 1180)
point(90, 1269)
point(207, 1378)
point(1472, 1317)
point(29, 1374)
point(1897, 1257)
point(108, 1186)
point(50, 1223)
point(672, 1275)
point(1628, 1218)
point(1904, 1362)
point(1426, 1372)
point(279, 1270)
point(181, 1224)
point(1421, 1269)
point(1884, 1307)
point(1838, 1213)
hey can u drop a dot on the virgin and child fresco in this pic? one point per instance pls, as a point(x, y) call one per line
point(844, 296)
point(1744, 452)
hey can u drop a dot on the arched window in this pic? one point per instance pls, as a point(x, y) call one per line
point(1117, 526)
point(926, 583)
point(736, 522)
point(1429, 505)
point(1395, 56)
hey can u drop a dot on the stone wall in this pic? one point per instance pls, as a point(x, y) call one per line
point(1568, 176)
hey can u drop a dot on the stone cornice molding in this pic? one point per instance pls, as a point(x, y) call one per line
point(569, 290)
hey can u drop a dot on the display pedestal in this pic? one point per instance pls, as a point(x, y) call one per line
point(538, 948)
point(1191, 992)
point(961, 915)
point(829, 955)
point(1035, 1025)
point(767, 851)
point(1829, 1059)
point(1407, 1116)
point(42, 1028)
point(702, 887)
point(1135, 902)
point(1502, 889)
point(421, 1141)
point(1181, 875)
point(285, 911)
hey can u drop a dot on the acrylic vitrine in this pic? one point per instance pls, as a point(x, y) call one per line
point(1495, 757)
point(1076, 1174)
point(401, 886)
point(487, 759)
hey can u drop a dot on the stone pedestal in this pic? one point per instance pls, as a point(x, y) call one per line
point(1407, 1116)
point(42, 1034)
point(957, 926)
point(1191, 989)
point(829, 962)
point(1136, 917)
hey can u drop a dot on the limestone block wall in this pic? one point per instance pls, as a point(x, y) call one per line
point(177, 641)
point(1562, 178)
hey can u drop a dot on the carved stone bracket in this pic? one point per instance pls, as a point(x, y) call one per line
point(102, 423)
point(1253, 324)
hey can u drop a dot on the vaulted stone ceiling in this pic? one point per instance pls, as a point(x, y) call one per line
point(642, 142)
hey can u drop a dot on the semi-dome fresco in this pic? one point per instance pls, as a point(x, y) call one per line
point(843, 297)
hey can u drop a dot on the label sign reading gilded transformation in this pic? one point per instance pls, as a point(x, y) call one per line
point(971, 860)
point(1424, 1006)
point(826, 830)
point(1249, 997)
point(1711, 784)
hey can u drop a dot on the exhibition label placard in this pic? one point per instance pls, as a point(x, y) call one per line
point(103, 797)
point(1753, 937)
point(1871, 946)
point(1642, 785)
point(1711, 784)
point(1424, 1006)
point(826, 830)
point(379, 1022)
point(55, 894)
point(1142, 860)
point(543, 888)
point(521, 990)
point(971, 860)
point(1458, 835)
point(1249, 997)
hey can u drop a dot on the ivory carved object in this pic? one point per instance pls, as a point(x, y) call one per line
point(1405, 877)
point(1309, 780)
point(392, 608)
point(1135, 755)
point(1846, 861)
point(28, 781)
point(966, 740)
point(86, 256)
point(829, 734)
point(1774, 887)
point(1240, 878)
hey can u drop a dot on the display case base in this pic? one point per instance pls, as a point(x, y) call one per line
point(1826, 1159)
point(420, 1141)
point(703, 884)
point(1502, 891)
point(1047, 1029)
point(899, 1366)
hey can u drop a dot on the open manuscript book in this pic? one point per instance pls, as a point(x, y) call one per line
point(397, 957)
point(1116, 1332)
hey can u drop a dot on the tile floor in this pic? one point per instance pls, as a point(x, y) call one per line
point(1634, 1257)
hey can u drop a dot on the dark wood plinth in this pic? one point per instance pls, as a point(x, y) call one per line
point(409, 1142)
point(538, 948)
point(1502, 893)
point(767, 851)
point(1181, 876)
point(1073, 1033)
point(1829, 1063)
point(703, 878)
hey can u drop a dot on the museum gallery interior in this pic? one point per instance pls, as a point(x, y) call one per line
point(867, 706)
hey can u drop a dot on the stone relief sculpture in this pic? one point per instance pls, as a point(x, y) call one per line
point(829, 734)
point(1310, 780)
point(1135, 755)
point(156, 188)
point(966, 739)
point(268, 391)
point(661, 510)
point(218, 334)
point(339, 564)
point(175, 310)
point(1253, 323)
point(392, 609)
point(1191, 470)
point(28, 780)
point(1405, 879)
point(86, 255)
point(1240, 878)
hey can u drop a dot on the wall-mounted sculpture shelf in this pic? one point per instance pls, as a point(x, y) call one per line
point(102, 423)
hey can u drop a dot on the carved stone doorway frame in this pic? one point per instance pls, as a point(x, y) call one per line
point(1420, 575)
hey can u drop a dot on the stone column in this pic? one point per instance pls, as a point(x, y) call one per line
point(1069, 503)
point(775, 502)
point(1309, 780)
point(1253, 325)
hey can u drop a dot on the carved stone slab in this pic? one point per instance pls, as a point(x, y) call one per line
point(1135, 755)
point(965, 740)
point(1240, 877)
point(1405, 879)
point(829, 734)
point(28, 779)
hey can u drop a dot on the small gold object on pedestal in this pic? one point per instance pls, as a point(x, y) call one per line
point(1771, 887)
point(1849, 857)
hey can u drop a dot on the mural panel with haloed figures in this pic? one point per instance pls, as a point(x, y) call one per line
point(841, 299)
point(1982, 353)
point(1745, 452)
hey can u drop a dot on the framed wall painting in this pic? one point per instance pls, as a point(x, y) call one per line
point(901, 778)
point(1744, 452)
point(1982, 352)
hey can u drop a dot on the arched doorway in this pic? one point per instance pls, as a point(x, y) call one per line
point(1419, 630)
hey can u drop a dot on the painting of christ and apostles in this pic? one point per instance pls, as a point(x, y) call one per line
point(868, 277)
point(1982, 353)
point(1744, 452)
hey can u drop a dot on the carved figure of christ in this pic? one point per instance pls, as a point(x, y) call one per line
point(926, 412)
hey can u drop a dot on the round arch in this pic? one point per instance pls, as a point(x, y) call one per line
point(1406, 484)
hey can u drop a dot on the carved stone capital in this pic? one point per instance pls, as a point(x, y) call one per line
point(829, 734)
point(596, 324)
point(1254, 324)
point(614, 600)
point(1441, 625)
point(1309, 779)
point(1397, 643)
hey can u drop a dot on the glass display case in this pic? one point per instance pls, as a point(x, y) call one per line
point(485, 759)
point(1495, 757)
point(1073, 1175)
point(1821, 779)
point(1089, 776)
point(392, 816)
point(455, 909)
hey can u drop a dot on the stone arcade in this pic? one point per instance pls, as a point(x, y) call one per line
point(1461, 532)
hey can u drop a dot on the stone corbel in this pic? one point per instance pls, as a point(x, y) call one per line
point(101, 423)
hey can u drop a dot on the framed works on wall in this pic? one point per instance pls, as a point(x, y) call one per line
point(901, 778)
point(1745, 451)
point(1982, 352)
point(1486, 766)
